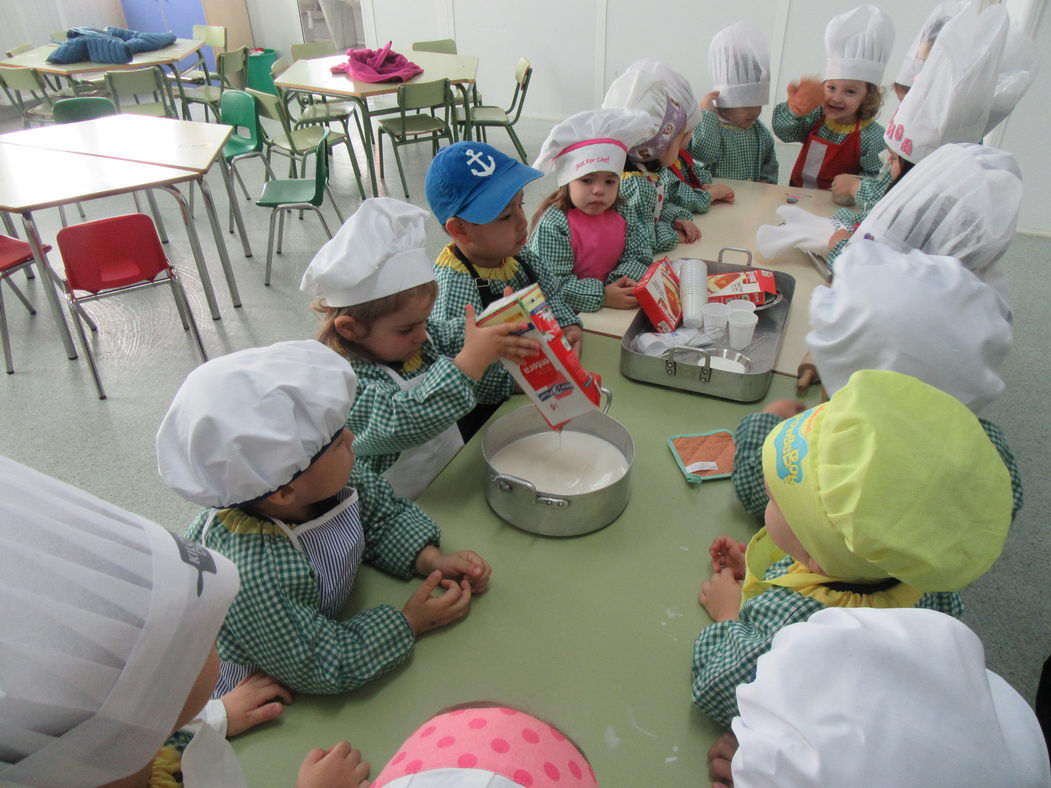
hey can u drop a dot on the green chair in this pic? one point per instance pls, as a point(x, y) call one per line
point(314, 49)
point(297, 143)
point(230, 72)
point(238, 109)
point(426, 127)
point(129, 85)
point(298, 194)
point(447, 46)
point(483, 117)
point(214, 37)
point(317, 109)
point(26, 90)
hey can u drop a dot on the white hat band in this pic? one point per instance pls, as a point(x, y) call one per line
point(578, 160)
point(753, 94)
point(854, 68)
point(401, 271)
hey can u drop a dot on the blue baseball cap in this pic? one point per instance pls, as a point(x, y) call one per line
point(475, 181)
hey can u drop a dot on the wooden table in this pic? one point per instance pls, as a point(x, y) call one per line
point(735, 225)
point(186, 146)
point(315, 76)
point(37, 58)
point(594, 633)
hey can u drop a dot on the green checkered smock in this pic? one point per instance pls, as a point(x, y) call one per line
point(638, 192)
point(790, 128)
point(680, 193)
point(457, 288)
point(550, 245)
point(870, 191)
point(726, 652)
point(747, 476)
point(275, 620)
point(729, 151)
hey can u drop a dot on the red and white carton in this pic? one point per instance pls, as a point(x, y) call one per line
point(658, 295)
point(756, 285)
point(552, 377)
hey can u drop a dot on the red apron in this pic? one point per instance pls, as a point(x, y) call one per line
point(820, 160)
point(685, 174)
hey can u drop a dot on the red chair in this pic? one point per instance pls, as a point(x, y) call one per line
point(110, 256)
point(15, 256)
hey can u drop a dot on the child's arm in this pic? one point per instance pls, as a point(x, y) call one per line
point(639, 196)
point(550, 247)
point(396, 529)
point(999, 441)
point(872, 145)
point(683, 195)
point(637, 254)
point(747, 476)
point(706, 143)
point(871, 190)
point(792, 128)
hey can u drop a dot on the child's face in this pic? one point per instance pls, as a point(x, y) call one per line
point(843, 99)
point(781, 533)
point(672, 153)
point(329, 473)
point(493, 241)
point(900, 91)
point(894, 162)
point(741, 117)
point(397, 337)
point(595, 192)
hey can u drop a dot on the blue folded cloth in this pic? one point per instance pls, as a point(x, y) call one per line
point(112, 45)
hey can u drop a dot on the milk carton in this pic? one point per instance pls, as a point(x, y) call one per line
point(658, 295)
point(552, 377)
point(756, 285)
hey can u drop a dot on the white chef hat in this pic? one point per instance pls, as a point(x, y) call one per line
point(920, 48)
point(858, 44)
point(962, 201)
point(592, 141)
point(243, 425)
point(377, 252)
point(912, 313)
point(1018, 68)
point(861, 696)
point(950, 99)
point(108, 619)
point(739, 65)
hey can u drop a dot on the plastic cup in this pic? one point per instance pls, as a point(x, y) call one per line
point(715, 315)
point(740, 305)
point(742, 328)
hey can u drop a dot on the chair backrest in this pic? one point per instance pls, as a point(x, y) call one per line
point(279, 67)
point(137, 81)
point(523, 74)
point(423, 95)
point(71, 110)
point(232, 68)
point(25, 89)
point(212, 35)
point(18, 50)
point(271, 107)
point(446, 46)
point(320, 169)
point(238, 109)
point(313, 49)
point(111, 253)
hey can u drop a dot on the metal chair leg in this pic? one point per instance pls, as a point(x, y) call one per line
point(183, 305)
point(4, 336)
point(518, 144)
point(86, 318)
point(335, 204)
point(270, 246)
point(280, 231)
point(324, 224)
point(75, 313)
point(80, 209)
point(21, 296)
point(62, 216)
point(401, 171)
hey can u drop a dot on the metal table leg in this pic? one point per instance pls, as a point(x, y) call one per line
point(48, 282)
point(366, 127)
point(235, 208)
point(220, 239)
point(195, 246)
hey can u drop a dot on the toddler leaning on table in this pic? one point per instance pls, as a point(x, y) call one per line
point(888, 495)
point(259, 438)
point(373, 287)
point(108, 646)
point(588, 246)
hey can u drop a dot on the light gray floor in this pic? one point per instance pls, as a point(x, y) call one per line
point(52, 420)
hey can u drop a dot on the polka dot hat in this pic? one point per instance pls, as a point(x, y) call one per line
point(492, 746)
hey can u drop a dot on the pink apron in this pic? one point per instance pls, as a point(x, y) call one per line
point(597, 242)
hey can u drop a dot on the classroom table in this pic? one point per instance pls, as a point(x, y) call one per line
point(166, 56)
point(187, 146)
point(315, 76)
point(726, 225)
point(594, 633)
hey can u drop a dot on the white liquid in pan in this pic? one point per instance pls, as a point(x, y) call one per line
point(718, 362)
point(565, 463)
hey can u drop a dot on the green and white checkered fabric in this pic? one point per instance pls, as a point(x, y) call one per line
point(725, 653)
point(789, 128)
point(638, 193)
point(680, 193)
point(275, 621)
point(732, 152)
point(550, 245)
point(870, 191)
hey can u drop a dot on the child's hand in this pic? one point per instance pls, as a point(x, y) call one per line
point(256, 699)
point(425, 612)
point(708, 102)
point(454, 566)
point(846, 184)
point(719, 191)
point(837, 236)
point(483, 345)
point(728, 553)
point(619, 295)
point(721, 596)
point(805, 96)
point(720, 756)
point(688, 232)
point(785, 408)
point(338, 767)
point(574, 335)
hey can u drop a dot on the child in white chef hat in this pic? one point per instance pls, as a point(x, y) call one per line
point(108, 646)
point(587, 243)
point(373, 287)
point(259, 438)
point(920, 48)
point(730, 140)
point(879, 697)
point(835, 120)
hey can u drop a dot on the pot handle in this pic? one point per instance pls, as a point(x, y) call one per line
point(746, 252)
point(609, 398)
point(506, 483)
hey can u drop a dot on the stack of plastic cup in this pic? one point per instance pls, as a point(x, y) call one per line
point(715, 315)
point(742, 327)
point(693, 290)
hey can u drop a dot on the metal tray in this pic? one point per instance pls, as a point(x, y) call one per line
point(690, 369)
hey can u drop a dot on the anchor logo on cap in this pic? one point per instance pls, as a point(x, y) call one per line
point(487, 169)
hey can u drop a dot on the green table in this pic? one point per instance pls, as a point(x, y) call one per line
point(594, 633)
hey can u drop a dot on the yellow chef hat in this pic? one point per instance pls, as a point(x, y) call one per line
point(891, 478)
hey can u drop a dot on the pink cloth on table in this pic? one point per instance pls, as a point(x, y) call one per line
point(597, 242)
point(377, 65)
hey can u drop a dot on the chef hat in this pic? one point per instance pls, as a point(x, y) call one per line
point(377, 252)
point(592, 141)
point(243, 425)
point(739, 65)
point(1018, 68)
point(487, 747)
point(951, 97)
point(860, 696)
point(663, 94)
point(920, 48)
point(858, 44)
point(912, 313)
point(962, 201)
point(108, 619)
point(891, 478)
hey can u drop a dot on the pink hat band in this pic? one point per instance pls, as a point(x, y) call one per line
point(588, 143)
point(505, 742)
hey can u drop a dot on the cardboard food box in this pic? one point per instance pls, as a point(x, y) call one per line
point(756, 285)
point(658, 294)
point(552, 378)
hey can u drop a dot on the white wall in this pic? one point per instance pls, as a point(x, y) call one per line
point(33, 21)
